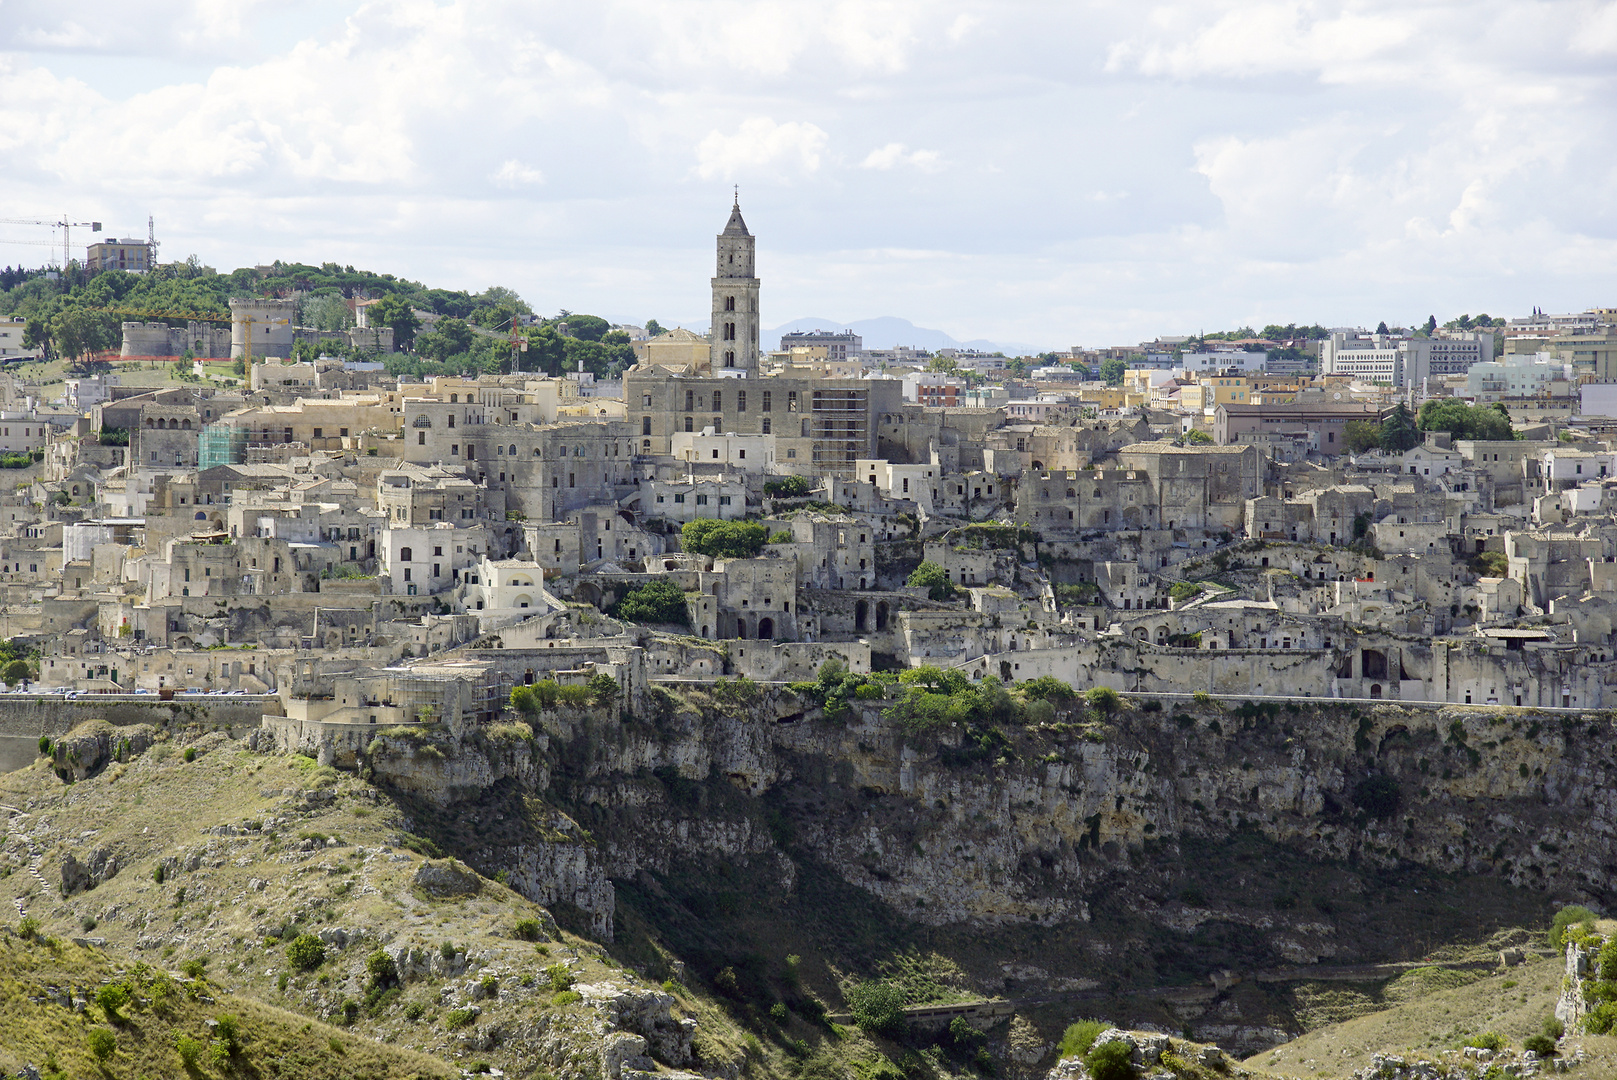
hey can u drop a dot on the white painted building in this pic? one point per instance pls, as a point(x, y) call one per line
point(506, 587)
point(11, 330)
point(426, 559)
point(749, 453)
point(1202, 363)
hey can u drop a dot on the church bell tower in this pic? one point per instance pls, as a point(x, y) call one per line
point(734, 332)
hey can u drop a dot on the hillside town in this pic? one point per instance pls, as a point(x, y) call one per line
point(1419, 514)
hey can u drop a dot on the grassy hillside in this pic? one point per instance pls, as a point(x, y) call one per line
point(49, 991)
point(1428, 1012)
point(224, 860)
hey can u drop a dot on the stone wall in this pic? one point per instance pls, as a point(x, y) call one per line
point(31, 717)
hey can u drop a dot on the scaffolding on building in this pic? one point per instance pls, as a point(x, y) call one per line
point(221, 444)
point(839, 427)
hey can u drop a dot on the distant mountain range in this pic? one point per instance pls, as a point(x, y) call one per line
point(888, 331)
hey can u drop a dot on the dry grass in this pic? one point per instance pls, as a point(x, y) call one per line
point(276, 868)
point(273, 1042)
point(1430, 1019)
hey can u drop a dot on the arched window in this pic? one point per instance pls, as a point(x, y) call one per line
point(404, 555)
point(513, 450)
point(423, 420)
point(729, 303)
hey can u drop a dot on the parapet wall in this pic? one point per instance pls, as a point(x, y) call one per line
point(32, 717)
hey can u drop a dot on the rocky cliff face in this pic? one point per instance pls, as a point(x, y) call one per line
point(1150, 815)
point(949, 831)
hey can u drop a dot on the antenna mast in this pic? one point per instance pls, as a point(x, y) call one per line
point(151, 244)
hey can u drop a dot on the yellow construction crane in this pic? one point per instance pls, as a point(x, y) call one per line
point(65, 225)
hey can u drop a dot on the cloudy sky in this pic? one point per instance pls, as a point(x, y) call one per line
point(1073, 172)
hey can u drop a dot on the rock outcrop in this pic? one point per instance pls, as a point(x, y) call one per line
point(95, 744)
point(100, 865)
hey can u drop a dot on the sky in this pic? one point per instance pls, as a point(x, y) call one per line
point(1081, 172)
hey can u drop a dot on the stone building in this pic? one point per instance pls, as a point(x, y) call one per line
point(733, 332)
point(261, 327)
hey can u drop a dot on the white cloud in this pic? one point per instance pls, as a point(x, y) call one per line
point(962, 26)
point(896, 153)
point(1179, 165)
point(761, 147)
point(515, 174)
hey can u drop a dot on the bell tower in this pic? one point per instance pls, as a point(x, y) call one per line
point(734, 332)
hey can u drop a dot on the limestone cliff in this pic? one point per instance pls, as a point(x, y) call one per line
point(1210, 837)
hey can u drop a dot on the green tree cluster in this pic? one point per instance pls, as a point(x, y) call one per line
point(660, 601)
point(934, 579)
point(1111, 371)
point(876, 1006)
point(788, 487)
point(835, 686)
point(724, 539)
point(1482, 422)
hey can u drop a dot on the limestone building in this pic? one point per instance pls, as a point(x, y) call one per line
point(734, 330)
point(821, 426)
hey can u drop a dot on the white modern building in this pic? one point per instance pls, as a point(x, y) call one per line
point(1517, 375)
point(1403, 361)
point(1200, 363)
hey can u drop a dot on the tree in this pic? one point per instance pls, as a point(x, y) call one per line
point(523, 700)
point(1466, 421)
point(15, 672)
point(603, 687)
point(1198, 437)
point(103, 1043)
point(1398, 431)
point(724, 539)
point(659, 601)
point(943, 365)
point(653, 328)
point(1381, 327)
point(788, 487)
point(36, 334)
point(587, 327)
point(876, 1006)
point(395, 311)
point(1361, 435)
point(1431, 324)
point(306, 952)
point(1111, 371)
point(1111, 1061)
point(77, 332)
point(329, 312)
point(383, 972)
point(934, 579)
point(456, 333)
point(1103, 699)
